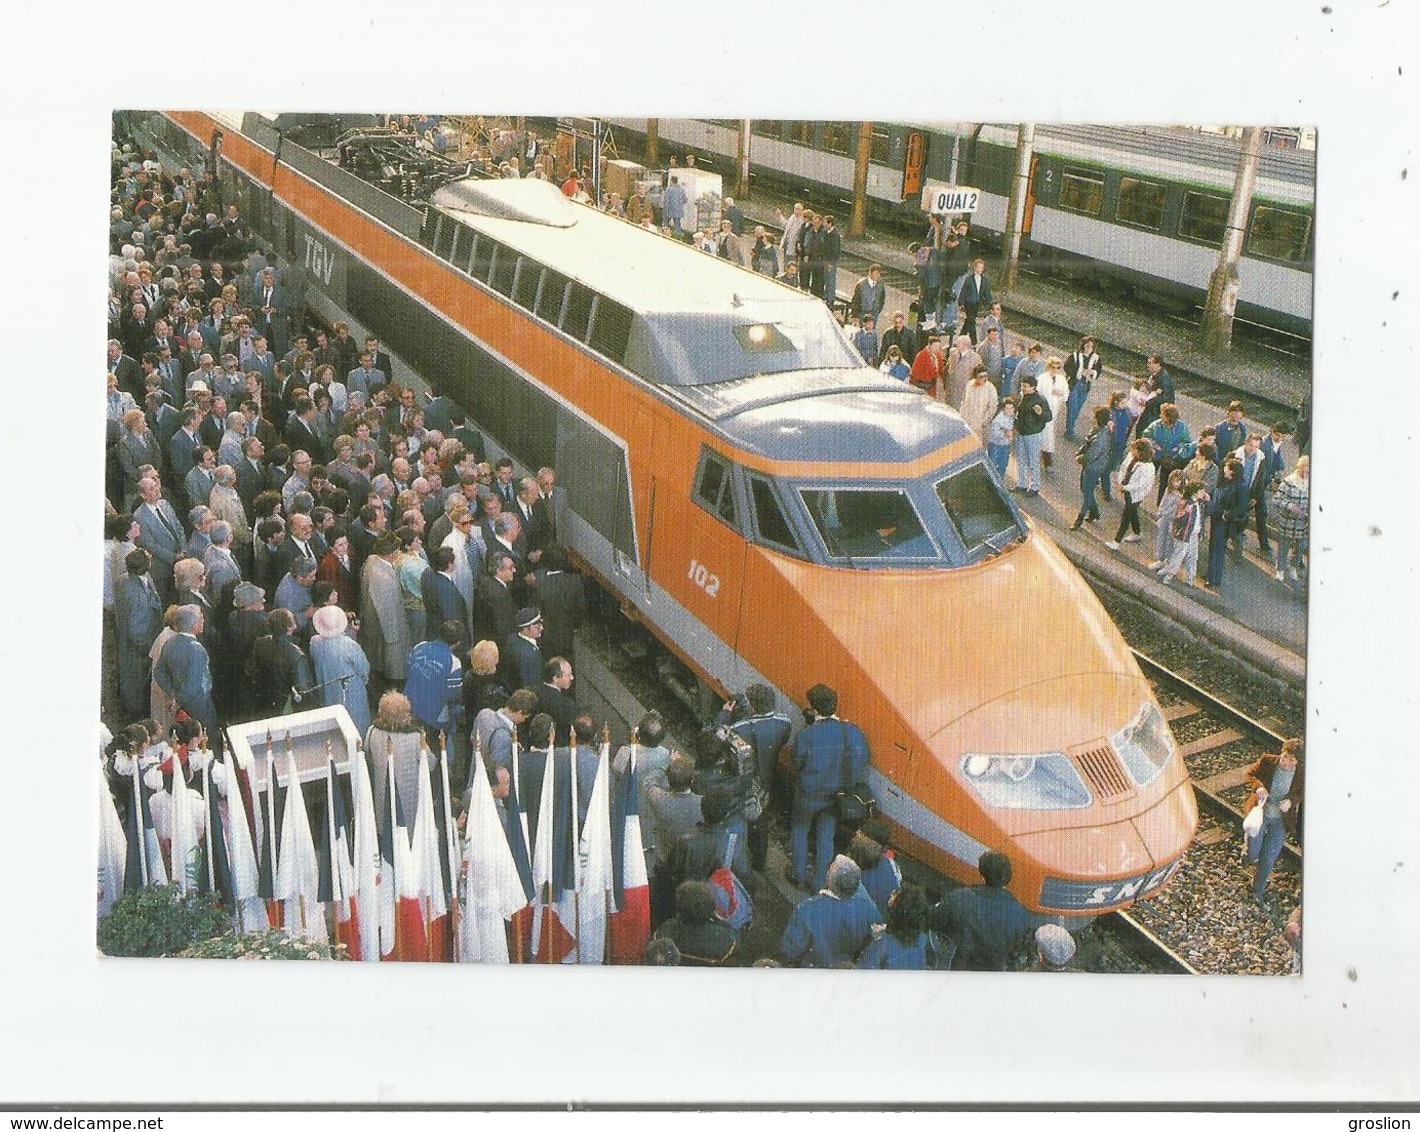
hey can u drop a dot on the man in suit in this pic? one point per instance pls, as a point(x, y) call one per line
point(561, 596)
point(126, 369)
point(251, 473)
point(495, 613)
point(184, 672)
point(975, 293)
point(301, 542)
point(554, 696)
point(183, 444)
point(190, 359)
point(138, 448)
point(381, 361)
point(503, 485)
point(300, 432)
point(367, 379)
point(220, 562)
point(535, 517)
point(442, 600)
point(201, 477)
point(138, 617)
point(159, 532)
point(271, 306)
point(521, 661)
point(1255, 471)
point(555, 497)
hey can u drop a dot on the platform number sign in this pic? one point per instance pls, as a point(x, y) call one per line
point(940, 199)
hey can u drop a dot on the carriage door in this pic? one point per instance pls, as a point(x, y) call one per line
point(698, 559)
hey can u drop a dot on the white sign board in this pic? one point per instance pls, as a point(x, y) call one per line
point(940, 199)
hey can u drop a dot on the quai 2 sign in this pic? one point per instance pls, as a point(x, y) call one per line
point(940, 198)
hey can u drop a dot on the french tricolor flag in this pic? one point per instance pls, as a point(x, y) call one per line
point(629, 925)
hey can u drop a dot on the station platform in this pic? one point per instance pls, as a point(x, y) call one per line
point(1252, 369)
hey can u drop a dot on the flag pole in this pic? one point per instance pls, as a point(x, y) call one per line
point(607, 900)
point(272, 904)
point(451, 844)
point(394, 832)
point(142, 834)
point(335, 895)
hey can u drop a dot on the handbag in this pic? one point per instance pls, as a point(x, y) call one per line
point(1251, 828)
point(854, 803)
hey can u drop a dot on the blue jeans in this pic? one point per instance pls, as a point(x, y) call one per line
point(826, 823)
point(830, 285)
point(1000, 456)
point(1090, 479)
point(1265, 848)
point(1078, 396)
point(1028, 460)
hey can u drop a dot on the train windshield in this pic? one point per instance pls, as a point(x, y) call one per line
point(863, 523)
point(979, 513)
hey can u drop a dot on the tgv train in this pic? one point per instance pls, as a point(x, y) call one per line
point(1135, 210)
point(770, 508)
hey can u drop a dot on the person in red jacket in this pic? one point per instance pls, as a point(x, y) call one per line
point(927, 367)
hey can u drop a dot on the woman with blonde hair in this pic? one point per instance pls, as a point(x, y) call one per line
point(1055, 388)
point(481, 686)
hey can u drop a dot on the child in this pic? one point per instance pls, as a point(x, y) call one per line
point(1168, 508)
point(1001, 435)
point(1138, 398)
point(1185, 530)
point(894, 366)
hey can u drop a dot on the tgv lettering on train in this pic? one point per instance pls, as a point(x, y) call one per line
point(319, 258)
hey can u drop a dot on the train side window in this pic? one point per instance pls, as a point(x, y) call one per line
point(838, 137)
point(525, 288)
point(1279, 233)
point(611, 329)
point(505, 263)
point(767, 128)
point(452, 251)
point(801, 133)
point(579, 311)
point(1141, 203)
point(1082, 192)
point(714, 487)
point(549, 302)
point(769, 516)
point(1204, 217)
point(469, 246)
point(443, 226)
point(882, 142)
point(482, 265)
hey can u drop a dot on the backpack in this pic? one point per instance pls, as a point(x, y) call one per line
point(732, 903)
point(1182, 526)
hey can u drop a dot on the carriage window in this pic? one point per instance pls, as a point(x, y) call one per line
point(1082, 192)
point(482, 264)
point(801, 132)
point(838, 137)
point(611, 329)
point(976, 509)
point(867, 523)
point(767, 128)
point(549, 303)
point(714, 491)
point(1204, 217)
point(579, 311)
point(525, 289)
point(769, 516)
point(1277, 233)
point(1141, 203)
point(881, 143)
point(505, 263)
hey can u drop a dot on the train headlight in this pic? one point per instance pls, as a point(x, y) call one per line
point(1144, 744)
point(1026, 782)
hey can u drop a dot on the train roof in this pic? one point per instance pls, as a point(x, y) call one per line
point(696, 319)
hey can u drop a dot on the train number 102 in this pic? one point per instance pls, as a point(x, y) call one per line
point(707, 581)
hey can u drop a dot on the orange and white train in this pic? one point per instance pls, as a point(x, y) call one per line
point(769, 507)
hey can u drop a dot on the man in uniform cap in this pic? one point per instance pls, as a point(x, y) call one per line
point(1055, 947)
point(522, 660)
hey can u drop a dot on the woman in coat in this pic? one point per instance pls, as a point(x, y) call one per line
point(1290, 507)
point(342, 670)
point(1225, 507)
point(1094, 465)
point(1056, 390)
point(1169, 437)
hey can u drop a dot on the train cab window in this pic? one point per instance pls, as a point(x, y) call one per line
point(611, 329)
point(505, 264)
point(714, 487)
point(868, 523)
point(481, 265)
point(1141, 203)
point(1279, 233)
point(1204, 217)
point(549, 303)
point(579, 311)
point(525, 287)
point(978, 513)
point(1082, 192)
point(838, 137)
point(769, 516)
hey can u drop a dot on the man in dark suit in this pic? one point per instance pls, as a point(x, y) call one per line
point(271, 309)
point(536, 519)
point(126, 369)
point(495, 614)
point(554, 696)
point(562, 598)
point(301, 542)
point(442, 600)
point(137, 447)
point(251, 472)
point(521, 661)
point(300, 434)
point(975, 293)
point(183, 444)
point(382, 360)
point(503, 483)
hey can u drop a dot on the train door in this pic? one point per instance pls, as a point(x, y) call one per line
point(914, 160)
point(697, 550)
